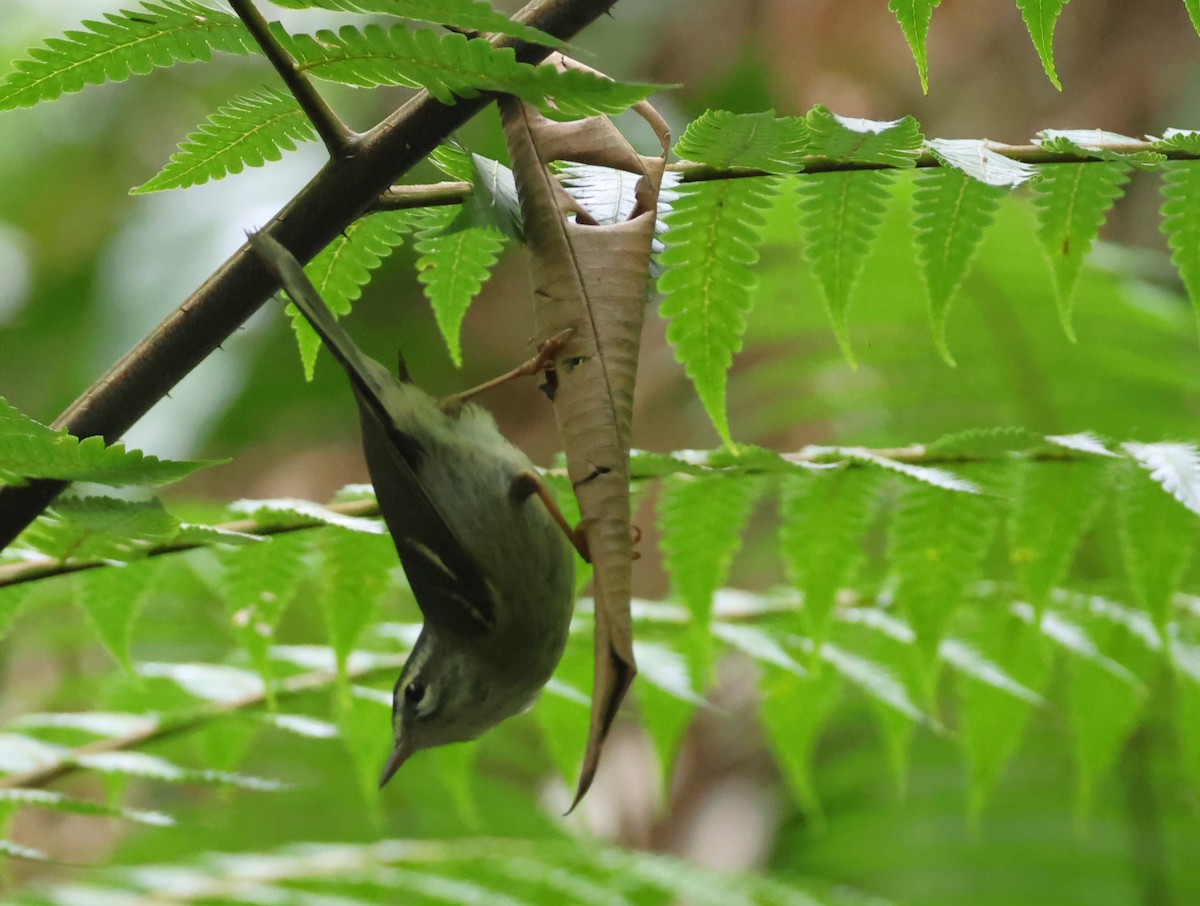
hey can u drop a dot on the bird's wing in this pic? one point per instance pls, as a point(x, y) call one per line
point(449, 583)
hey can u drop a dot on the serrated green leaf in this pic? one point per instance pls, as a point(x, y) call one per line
point(111, 597)
point(354, 576)
point(453, 65)
point(701, 521)
point(937, 540)
point(1103, 710)
point(493, 202)
point(342, 268)
point(950, 213)
point(712, 242)
point(29, 449)
point(469, 15)
point(991, 720)
point(249, 131)
point(896, 143)
point(794, 712)
point(1040, 18)
point(259, 582)
point(1157, 537)
point(100, 528)
point(841, 214)
point(1055, 504)
point(122, 45)
point(914, 16)
point(667, 705)
point(1073, 202)
point(1181, 223)
point(760, 141)
point(824, 516)
point(452, 269)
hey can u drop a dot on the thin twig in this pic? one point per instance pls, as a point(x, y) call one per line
point(337, 196)
point(339, 139)
point(444, 193)
point(288, 688)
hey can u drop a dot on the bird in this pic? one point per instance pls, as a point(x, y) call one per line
point(486, 551)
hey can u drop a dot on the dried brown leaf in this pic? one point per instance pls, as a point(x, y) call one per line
point(592, 278)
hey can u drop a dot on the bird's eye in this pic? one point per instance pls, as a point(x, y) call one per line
point(414, 692)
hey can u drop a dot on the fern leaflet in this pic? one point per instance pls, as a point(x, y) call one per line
point(1040, 18)
point(712, 240)
point(1073, 202)
point(450, 65)
point(841, 214)
point(1181, 223)
point(453, 267)
point(246, 132)
point(914, 17)
point(469, 15)
point(122, 45)
point(761, 141)
point(951, 210)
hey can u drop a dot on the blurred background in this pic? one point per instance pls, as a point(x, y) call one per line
point(87, 270)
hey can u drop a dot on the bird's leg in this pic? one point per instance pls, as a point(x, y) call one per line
point(543, 361)
point(526, 484)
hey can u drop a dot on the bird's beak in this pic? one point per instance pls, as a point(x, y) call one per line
point(399, 755)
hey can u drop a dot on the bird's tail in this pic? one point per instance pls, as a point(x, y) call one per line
point(364, 372)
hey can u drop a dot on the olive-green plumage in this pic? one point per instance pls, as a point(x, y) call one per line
point(491, 570)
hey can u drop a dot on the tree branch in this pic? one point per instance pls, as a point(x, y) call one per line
point(342, 191)
point(338, 138)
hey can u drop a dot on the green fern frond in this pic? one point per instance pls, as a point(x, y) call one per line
point(453, 267)
point(896, 143)
point(153, 767)
point(824, 515)
point(31, 450)
point(842, 214)
point(343, 268)
point(991, 721)
point(259, 582)
point(712, 241)
point(1055, 504)
point(100, 528)
point(249, 131)
point(914, 17)
point(1073, 202)
point(950, 213)
point(701, 521)
point(761, 141)
point(1158, 534)
point(469, 15)
point(937, 542)
point(1181, 223)
point(794, 713)
point(111, 598)
point(1040, 18)
point(354, 570)
point(453, 65)
point(123, 45)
